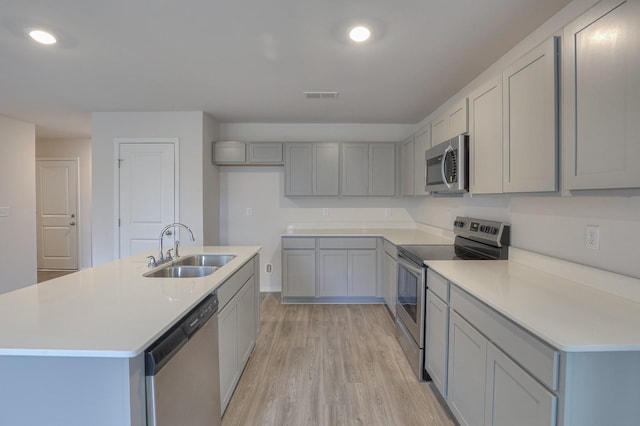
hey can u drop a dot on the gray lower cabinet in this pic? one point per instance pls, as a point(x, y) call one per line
point(437, 341)
point(347, 273)
point(513, 397)
point(368, 169)
point(312, 169)
point(236, 328)
point(329, 269)
point(467, 367)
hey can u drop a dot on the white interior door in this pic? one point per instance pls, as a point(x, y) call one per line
point(56, 210)
point(147, 182)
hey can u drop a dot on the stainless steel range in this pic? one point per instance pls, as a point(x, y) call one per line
point(476, 239)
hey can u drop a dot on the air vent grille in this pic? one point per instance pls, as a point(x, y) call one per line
point(321, 95)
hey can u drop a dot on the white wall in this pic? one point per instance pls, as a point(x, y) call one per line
point(18, 255)
point(81, 149)
point(107, 126)
point(262, 190)
point(211, 184)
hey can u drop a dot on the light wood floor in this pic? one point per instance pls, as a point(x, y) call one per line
point(330, 365)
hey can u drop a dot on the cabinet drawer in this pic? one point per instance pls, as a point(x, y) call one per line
point(230, 287)
point(535, 356)
point(297, 243)
point(347, 243)
point(438, 285)
point(391, 249)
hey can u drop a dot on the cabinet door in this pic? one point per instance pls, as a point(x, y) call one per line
point(229, 152)
point(362, 273)
point(437, 341)
point(390, 284)
point(382, 169)
point(355, 169)
point(265, 153)
point(602, 97)
point(228, 351)
point(298, 169)
point(513, 396)
point(422, 142)
point(407, 167)
point(246, 321)
point(439, 130)
point(333, 273)
point(298, 273)
point(326, 167)
point(530, 121)
point(458, 119)
point(466, 372)
point(485, 138)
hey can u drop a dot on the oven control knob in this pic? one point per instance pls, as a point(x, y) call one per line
point(494, 231)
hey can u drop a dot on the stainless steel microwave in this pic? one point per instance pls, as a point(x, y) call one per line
point(447, 166)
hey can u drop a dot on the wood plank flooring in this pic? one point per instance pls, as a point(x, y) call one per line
point(330, 365)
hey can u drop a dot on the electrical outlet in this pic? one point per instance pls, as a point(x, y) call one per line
point(249, 211)
point(268, 268)
point(387, 212)
point(592, 237)
point(325, 212)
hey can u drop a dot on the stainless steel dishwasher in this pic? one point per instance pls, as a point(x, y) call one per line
point(181, 368)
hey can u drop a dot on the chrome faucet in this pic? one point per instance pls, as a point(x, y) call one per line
point(161, 257)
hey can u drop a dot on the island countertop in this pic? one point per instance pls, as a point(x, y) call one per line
point(106, 311)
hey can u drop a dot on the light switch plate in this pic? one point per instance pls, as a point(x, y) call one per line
point(4, 211)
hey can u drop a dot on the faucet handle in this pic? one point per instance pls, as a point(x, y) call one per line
point(152, 262)
point(168, 256)
point(176, 244)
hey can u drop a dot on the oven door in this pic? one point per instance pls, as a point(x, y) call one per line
point(410, 299)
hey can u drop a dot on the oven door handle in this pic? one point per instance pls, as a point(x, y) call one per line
point(410, 266)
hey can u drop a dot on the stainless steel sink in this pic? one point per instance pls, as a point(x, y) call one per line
point(192, 266)
point(216, 260)
point(172, 271)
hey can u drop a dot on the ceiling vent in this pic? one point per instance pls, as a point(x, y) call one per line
point(321, 95)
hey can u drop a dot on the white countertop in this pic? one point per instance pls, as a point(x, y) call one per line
point(107, 311)
point(398, 236)
point(568, 315)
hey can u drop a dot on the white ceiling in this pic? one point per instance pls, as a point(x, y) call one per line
point(250, 60)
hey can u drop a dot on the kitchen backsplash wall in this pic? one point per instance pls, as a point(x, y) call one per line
point(554, 225)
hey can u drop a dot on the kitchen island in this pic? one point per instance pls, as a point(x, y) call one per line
point(72, 349)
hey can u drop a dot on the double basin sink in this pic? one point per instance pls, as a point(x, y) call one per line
point(192, 266)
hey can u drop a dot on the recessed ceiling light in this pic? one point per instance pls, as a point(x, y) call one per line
point(359, 34)
point(42, 37)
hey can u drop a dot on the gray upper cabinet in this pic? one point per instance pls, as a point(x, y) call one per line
point(422, 143)
point(485, 138)
point(264, 153)
point(601, 97)
point(451, 123)
point(312, 169)
point(530, 151)
point(242, 153)
point(407, 167)
point(368, 169)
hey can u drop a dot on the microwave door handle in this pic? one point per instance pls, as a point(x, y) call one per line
point(442, 165)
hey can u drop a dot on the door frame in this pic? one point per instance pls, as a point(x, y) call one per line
point(79, 217)
point(116, 181)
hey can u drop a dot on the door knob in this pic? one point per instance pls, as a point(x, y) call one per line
point(72, 223)
point(72, 215)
